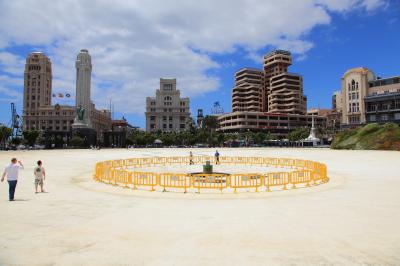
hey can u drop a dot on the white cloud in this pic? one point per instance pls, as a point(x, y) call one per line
point(133, 43)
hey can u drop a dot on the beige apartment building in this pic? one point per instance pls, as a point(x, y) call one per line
point(354, 89)
point(359, 84)
point(247, 94)
point(283, 90)
point(39, 113)
point(167, 112)
point(270, 100)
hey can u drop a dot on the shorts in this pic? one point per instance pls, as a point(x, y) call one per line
point(39, 182)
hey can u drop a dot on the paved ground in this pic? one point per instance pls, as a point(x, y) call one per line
point(352, 220)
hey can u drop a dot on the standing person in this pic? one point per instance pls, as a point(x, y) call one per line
point(191, 158)
point(12, 172)
point(216, 157)
point(40, 176)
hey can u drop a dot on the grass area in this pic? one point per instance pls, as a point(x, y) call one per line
point(369, 137)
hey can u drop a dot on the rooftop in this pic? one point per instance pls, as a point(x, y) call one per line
point(275, 52)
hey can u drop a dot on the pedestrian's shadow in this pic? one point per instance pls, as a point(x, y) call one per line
point(21, 199)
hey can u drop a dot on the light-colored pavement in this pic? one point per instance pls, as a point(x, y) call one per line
point(352, 220)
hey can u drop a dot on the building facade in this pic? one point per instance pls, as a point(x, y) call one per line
point(354, 89)
point(38, 111)
point(383, 108)
point(167, 112)
point(270, 100)
point(283, 90)
point(363, 97)
point(247, 95)
point(278, 124)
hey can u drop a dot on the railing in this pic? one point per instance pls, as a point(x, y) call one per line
point(128, 173)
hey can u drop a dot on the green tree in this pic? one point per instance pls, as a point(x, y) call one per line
point(77, 141)
point(16, 141)
point(260, 137)
point(211, 122)
point(298, 134)
point(30, 136)
point(5, 133)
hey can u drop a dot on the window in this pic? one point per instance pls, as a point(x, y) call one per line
point(170, 126)
point(372, 118)
point(167, 87)
point(152, 118)
point(397, 116)
point(384, 117)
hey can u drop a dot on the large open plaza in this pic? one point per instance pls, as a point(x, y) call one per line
point(350, 220)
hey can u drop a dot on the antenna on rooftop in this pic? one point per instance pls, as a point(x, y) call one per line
point(217, 109)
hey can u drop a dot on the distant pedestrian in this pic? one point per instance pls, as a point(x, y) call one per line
point(191, 158)
point(12, 172)
point(40, 176)
point(216, 157)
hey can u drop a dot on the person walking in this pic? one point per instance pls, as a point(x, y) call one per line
point(40, 176)
point(12, 172)
point(216, 157)
point(191, 158)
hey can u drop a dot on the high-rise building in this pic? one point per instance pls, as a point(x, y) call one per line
point(270, 100)
point(247, 94)
point(283, 91)
point(167, 112)
point(55, 121)
point(37, 88)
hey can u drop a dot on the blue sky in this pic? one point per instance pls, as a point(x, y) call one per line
point(133, 45)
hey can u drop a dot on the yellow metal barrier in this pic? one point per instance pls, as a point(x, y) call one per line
point(123, 173)
point(246, 181)
point(170, 180)
point(210, 181)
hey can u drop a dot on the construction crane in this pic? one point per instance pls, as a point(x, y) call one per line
point(16, 123)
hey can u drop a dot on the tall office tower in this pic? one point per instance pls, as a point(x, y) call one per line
point(283, 91)
point(37, 87)
point(83, 66)
point(247, 94)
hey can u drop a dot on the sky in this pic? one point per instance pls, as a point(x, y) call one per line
point(201, 43)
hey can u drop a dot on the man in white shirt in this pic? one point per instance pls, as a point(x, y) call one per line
point(12, 172)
